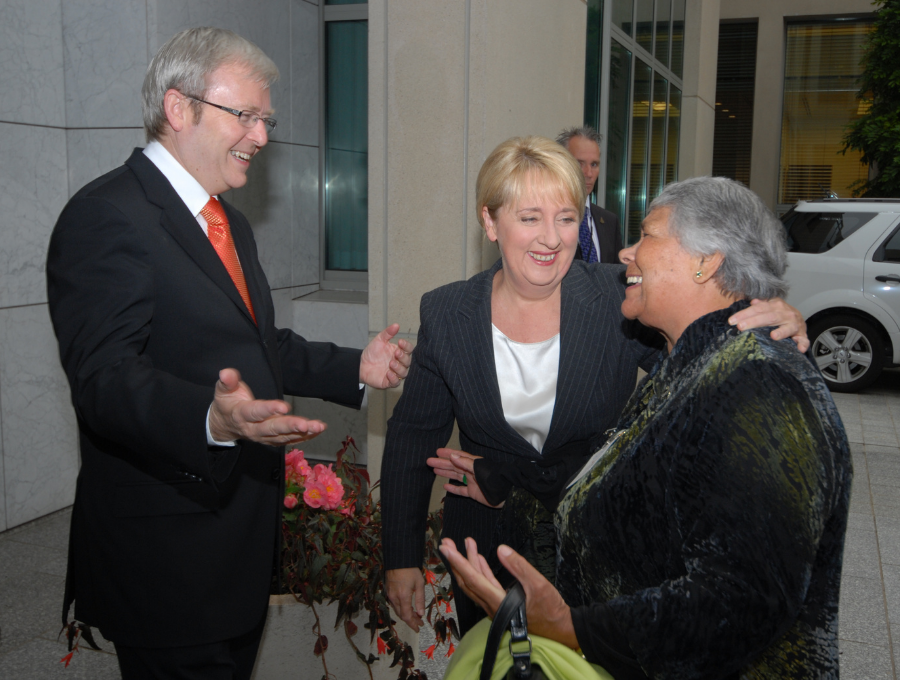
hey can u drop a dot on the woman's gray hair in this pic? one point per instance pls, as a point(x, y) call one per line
point(187, 60)
point(711, 215)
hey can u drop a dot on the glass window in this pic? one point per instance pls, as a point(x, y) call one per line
point(644, 24)
point(820, 75)
point(640, 137)
point(346, 145)
point(617, 133)
point(663, 30)
point(640, 107)
point(735, 81)
point(678, 37)
point(818, 232)
point(623, 14)
point(890, 250)
point(674, 130)
point(658, 137)
point(594, 60)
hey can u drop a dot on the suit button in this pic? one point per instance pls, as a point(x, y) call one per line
point(276, 475)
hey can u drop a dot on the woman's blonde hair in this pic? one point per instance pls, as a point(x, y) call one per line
point(523, 162)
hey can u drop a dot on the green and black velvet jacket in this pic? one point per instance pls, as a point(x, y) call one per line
point(707, 542)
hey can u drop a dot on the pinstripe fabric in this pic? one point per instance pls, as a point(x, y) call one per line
point(453, 377)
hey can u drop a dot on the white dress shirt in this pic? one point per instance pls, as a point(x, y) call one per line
point(527, 373)
point(195, 198)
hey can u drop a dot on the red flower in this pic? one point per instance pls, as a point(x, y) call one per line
point(66, 659)
point(429, 652)
point(451, 650)
point(382, 648)
point(430, 577)
point(449, 611)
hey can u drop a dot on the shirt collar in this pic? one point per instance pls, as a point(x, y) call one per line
point(188, 189)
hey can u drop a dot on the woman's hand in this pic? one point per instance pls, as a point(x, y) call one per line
point(474, 575)
point(460, 466)
point(774, 312)
point(548, 615)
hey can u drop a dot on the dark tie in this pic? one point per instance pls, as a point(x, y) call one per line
point(588, 252)
point(220, 236)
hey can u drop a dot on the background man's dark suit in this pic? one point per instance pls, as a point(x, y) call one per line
point(608, 234)
point(453, 377)
point(173, 542)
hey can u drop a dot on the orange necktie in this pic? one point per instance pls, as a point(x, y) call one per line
point(220, 237)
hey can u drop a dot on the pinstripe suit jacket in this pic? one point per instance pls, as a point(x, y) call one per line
point(453, 377)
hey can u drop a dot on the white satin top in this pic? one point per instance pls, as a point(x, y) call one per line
point(527, 373)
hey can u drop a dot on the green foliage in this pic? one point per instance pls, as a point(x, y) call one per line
point(335, 555)
point(877, 133)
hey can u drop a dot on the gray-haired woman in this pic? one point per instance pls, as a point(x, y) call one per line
point(706, 538)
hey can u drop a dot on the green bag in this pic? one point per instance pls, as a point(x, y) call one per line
point(479, 658)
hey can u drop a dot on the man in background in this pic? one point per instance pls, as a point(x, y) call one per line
point(166, 332)
point(599, 237)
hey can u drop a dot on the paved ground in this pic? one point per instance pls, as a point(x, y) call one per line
point(33, 561)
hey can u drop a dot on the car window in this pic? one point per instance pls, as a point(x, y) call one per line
point(889, 250)
point(818, 232)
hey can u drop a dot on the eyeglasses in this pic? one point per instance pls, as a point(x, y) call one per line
point(248, 119)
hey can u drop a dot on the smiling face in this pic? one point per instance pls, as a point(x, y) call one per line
point(661, 277)
point(587, 153)
point(537, 239)
point(217, 150)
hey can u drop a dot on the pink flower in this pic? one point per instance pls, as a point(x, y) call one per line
point(348, 505)
point(331, 486)
point(290, 501)
point(314, 494)
point(296, 468)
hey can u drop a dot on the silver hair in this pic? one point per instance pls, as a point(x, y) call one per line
point(187, 60)
point(711, 215)
point(585, 131)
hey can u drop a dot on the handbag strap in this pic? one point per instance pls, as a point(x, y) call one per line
point(510, 614)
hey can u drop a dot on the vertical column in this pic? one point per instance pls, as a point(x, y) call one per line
point(699, 98)
point(447, 83)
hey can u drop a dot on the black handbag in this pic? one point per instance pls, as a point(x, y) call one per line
point(511, 615)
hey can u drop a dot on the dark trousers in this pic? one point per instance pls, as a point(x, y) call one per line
point(227, 660)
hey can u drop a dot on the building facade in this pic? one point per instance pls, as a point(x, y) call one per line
point(364, 199)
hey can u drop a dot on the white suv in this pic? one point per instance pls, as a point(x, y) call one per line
point(844, 275)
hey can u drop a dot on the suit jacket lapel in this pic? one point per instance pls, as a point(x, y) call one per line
point(581, 328)
point(479, 370)
point(256, 285)
point(182, 226)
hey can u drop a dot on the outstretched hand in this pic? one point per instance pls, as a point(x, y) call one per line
point(383, 363)
point(774, 312)
point(235, 414)
point(548, 615)
point(460, 466)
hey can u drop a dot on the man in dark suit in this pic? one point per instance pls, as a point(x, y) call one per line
point(166, 331)
point(599, 236)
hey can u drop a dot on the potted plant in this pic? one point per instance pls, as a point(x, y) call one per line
point(332, 553)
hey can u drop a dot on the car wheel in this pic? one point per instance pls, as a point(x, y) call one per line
point(848, 350)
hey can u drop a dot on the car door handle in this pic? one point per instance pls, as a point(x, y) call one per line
point(892, 278)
